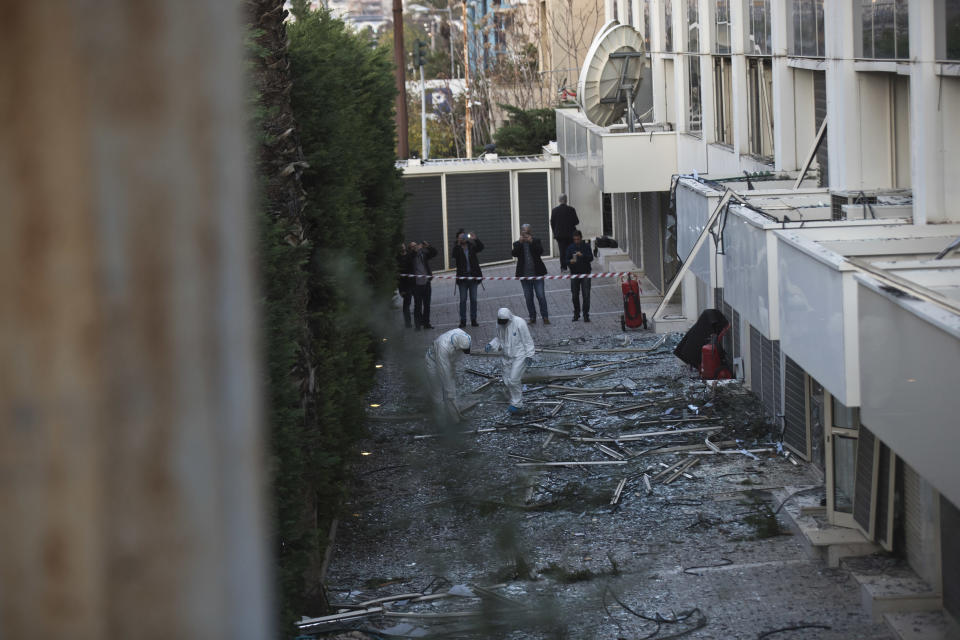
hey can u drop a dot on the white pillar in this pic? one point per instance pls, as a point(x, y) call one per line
point(926, 132)
point(784, 98)
point(843, 113)
point(657, 68)
point(608, 10)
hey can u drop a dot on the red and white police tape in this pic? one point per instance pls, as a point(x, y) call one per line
point(611, 274)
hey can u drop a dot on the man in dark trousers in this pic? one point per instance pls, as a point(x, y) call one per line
point(527, 250)
point(579, 257)
point(465, 257)
point(420, 262)
point(563, 221)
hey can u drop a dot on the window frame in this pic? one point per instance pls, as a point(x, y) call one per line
point(818, 24)
point(900, 11)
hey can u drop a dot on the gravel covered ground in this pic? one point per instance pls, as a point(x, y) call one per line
point(437, 510)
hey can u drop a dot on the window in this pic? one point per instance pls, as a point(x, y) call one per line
point(668, 25)
point(759, 17)
point(883, 32)
point(693, 26)
point(722, 25)
point(722, 92)
point(694, 115)
point(694, 112)
point(948, 30)
point(760, 106)
point(646, 27)
point(807, 34)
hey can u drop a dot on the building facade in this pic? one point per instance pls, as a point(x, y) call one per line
point(839, 283)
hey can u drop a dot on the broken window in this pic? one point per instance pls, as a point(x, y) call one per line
point(807, 33)
point(883, 27)
point(722, 26)
point(948, 31)
point(760, 106)
point(668, 25)
point(759, 28)
point(694, 108)
point(722, 95)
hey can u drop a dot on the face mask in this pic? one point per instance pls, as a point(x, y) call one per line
point(466, 351)
point(502, 321)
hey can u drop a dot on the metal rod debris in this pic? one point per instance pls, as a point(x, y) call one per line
point(571, 463)
point(619, 490)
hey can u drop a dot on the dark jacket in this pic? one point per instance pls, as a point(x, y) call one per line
point(460, 258)
point(428, 253)
point(582, 265)
point(536, 250)
point(563, 221)
point(405, 265)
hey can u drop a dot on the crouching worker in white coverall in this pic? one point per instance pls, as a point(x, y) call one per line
point(513, 337)
point(441, 358)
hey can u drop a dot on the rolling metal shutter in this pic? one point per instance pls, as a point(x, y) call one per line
point(634, 229)
point(736, 333)
point(883, 495)
point(652, 258)
point(533, 202)
point(950, 556)
point(820, 112)
point(863, 489)
point(620, 219)
point(423, 215)
point(756, 362)
point(777, 380)
point(795, 410)
point(767, 373)
point(480, 202)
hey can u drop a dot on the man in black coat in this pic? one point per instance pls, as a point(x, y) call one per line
point(420, 265)
point(465, 256)
point(579, 256)
point(405, 285)
point(527, 250)
point(563, 221)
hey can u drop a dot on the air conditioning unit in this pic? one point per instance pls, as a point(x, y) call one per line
point(840, 198)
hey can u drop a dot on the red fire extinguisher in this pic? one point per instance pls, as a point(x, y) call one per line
point(711, 362)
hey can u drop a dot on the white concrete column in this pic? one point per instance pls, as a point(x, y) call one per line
point(623, 9)
point(739, 35)
point(926, 132)
point(637, 9)
point(843, 113)
point(608, 10)
point(708, 116)
point(656, 60)
point(785, 150)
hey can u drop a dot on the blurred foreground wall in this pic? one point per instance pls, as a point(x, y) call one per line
point(130, 453)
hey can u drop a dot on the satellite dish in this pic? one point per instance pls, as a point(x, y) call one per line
point(611, 74)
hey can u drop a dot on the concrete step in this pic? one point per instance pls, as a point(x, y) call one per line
point(922, 625)
point(830, 542)
point(889, 585)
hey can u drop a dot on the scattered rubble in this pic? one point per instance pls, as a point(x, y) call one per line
point(631, 500)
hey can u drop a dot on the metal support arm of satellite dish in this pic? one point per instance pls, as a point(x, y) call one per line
point(625, 86)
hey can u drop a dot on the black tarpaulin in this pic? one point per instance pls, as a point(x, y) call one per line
point(711, 321)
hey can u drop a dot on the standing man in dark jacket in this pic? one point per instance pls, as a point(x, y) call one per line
point(579, 256)
point(527, 250)
point(465, 256)
point(420, 264)
point(405, 285)
point(563, 221)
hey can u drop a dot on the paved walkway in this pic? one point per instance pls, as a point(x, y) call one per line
point(606, 305)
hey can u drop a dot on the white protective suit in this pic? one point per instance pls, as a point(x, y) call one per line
point(517, 345)
point(441, 357)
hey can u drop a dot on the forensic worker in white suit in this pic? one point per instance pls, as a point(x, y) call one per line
point(441, 360)
point(513, 337)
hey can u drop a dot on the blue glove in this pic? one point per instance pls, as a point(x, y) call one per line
point(487, 349)
point(529, 361)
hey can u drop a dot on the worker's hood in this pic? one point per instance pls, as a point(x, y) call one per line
point(461, 340)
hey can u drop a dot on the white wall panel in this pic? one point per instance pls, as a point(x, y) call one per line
point(909, 394)
point(811, 308)
point(745, 271)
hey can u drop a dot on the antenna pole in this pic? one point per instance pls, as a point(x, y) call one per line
point(403, 144)
point(466, 81)
point(423, 114)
